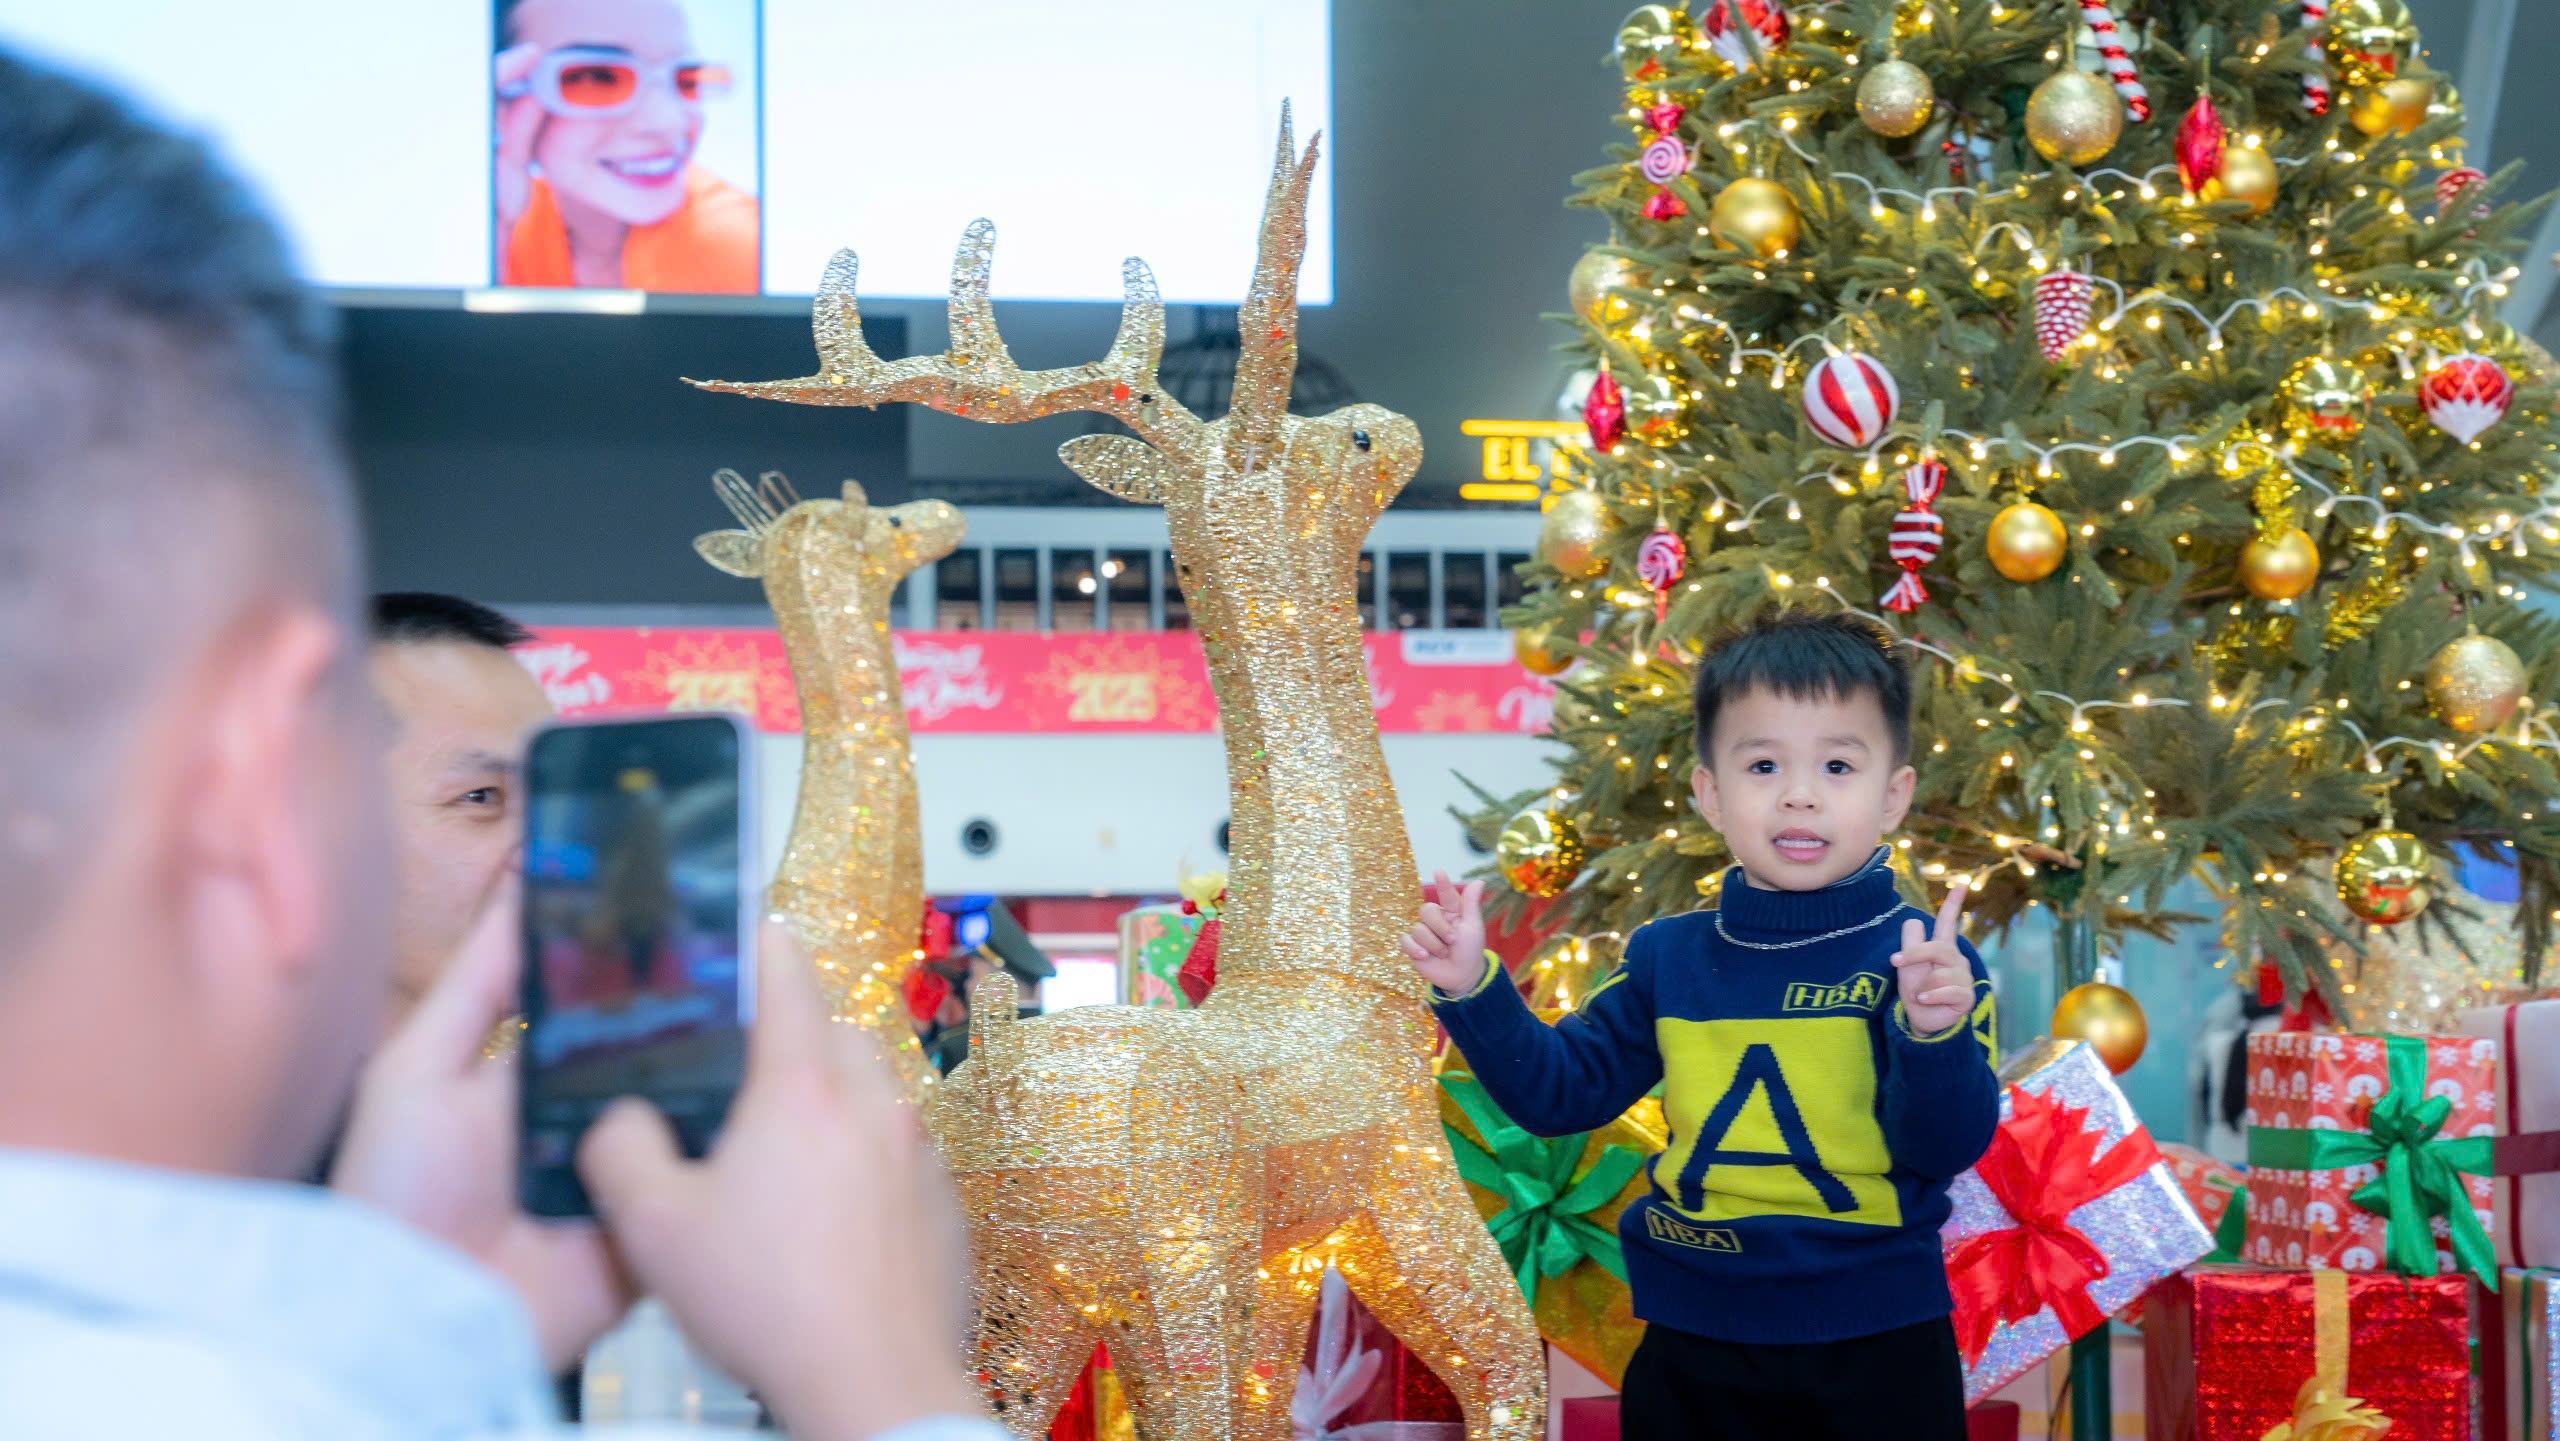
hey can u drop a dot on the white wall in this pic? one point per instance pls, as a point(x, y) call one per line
point(1125, 814)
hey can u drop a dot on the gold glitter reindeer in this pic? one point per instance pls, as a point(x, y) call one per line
point(852, 875)
point(1170, 1182)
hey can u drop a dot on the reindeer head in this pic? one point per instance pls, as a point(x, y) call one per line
point(893, 539)
point(1340, 469)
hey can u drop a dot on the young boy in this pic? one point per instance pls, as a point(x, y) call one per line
point(1786, 1259)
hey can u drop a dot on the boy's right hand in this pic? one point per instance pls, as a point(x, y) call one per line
point(1447, 944)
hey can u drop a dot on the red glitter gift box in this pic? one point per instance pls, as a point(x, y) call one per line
point(2231, 1353)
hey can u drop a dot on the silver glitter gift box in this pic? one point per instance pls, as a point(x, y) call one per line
point(2529, 1409)
point(2145, 1227)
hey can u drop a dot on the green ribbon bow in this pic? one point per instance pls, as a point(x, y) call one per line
point(2421, 1171)
point(1540, 1227)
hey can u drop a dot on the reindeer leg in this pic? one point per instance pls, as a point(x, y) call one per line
point(1416, 1277)
point(1026, 1347)
point(1284, 1303)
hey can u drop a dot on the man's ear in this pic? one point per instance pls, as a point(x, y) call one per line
point(1897, 798)
point(262, 755)
point(1702, 789)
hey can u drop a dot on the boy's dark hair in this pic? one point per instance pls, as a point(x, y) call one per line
point(1807, 655)
point(422, 615)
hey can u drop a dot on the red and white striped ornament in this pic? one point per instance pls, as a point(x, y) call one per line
point(2101, 20)
point(2466, 394)
point(1849, 399)
point(2315, 81)
point(1917, 533)
point(1742, 31)
point(2063, 300)
point(1661, 560)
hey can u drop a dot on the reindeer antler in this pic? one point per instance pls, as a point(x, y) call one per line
point(977, 376)
point(1268, 320)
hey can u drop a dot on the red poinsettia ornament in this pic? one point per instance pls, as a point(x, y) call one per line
point(2199, 144)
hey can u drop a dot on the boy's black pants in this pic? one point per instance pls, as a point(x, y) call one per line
point(1907, 1384)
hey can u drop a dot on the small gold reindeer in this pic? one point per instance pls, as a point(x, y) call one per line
point(852, 875)
point(1173, 1183)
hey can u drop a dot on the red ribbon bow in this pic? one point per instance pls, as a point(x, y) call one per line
point(2042, 1166)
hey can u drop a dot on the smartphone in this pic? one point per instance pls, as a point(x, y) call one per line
point(639, 962)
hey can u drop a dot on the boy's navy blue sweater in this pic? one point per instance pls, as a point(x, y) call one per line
point(1812, 1136)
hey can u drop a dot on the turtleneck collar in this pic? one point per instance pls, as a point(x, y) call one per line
point(1862, 895)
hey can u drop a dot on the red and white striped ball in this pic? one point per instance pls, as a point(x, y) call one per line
point(2466, 395)
point(1849, 399)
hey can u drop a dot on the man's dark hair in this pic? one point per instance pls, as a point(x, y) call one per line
point(1807, 655)
point(423, 615)
point(169, 448)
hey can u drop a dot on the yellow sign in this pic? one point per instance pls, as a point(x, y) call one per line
point(1511, 470)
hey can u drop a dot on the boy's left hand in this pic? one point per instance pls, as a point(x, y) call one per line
point(1935, 980)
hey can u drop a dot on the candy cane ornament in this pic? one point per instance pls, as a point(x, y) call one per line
point(2101, 21)
point(2315, 81)
point(1917, 533)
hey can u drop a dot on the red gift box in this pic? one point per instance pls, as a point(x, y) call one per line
point(2210, 1185)
point(2302, 1085)
point(1595, 1418)
point(2228, 1350)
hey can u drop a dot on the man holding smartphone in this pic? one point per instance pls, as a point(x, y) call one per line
point(196, 953)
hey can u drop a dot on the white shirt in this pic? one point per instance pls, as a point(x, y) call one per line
point(139, 1304)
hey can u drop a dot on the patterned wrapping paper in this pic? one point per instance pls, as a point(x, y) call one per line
point(2229, 1348)
point(2525, 1208)
point(2217, 1191)
point(2312, 1082)
point(2026, 1285)
point(1154, 942)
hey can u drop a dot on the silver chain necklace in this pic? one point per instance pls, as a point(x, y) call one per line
point(1868, 923)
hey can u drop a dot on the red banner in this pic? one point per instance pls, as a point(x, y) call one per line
point(1027, 682)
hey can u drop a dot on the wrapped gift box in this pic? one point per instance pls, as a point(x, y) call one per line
point(2069, 1217)
point(2230, 1352)
point(1585, 1310)
point(2525, 1204)
point(2217, 1191)
point(2520, 1358)
point(1154, 942)
point(2326, 1110)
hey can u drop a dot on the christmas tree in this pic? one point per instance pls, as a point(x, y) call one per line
point(2141, 368)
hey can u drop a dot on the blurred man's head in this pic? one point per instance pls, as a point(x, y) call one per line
point(191, 965)
point(460, 709)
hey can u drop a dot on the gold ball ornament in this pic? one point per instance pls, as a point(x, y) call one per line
point(2027, 542)
point(1589, 288)
point(1648, 39)
point(2475, 683)
point(1756, 215)
point(2280, 569)
point(2369, 40)
point(2074, 117)
point(2247, 174)
point(1572, 533)
point(2108, 1018)
point(1540, 851)
point(2325, 400)
point(1896, 97)
point(1542, 649)
point(2386, 876)
point(2393, 108)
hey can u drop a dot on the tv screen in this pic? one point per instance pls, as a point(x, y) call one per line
point(728, 147)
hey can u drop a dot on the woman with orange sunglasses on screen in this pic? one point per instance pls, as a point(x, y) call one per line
point(599, 112)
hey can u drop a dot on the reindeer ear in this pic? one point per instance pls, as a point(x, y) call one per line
point(1120, 465)
point(734, 551)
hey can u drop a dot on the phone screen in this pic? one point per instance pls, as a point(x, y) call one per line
point(637, 977)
